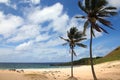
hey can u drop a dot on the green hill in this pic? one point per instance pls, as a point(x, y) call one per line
point(83, 61)
point(114, 55)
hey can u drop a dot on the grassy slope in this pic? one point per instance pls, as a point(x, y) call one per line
point(114, 55)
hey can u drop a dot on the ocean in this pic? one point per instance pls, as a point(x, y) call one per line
point(28, 65)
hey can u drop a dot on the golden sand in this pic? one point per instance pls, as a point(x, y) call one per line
point(104, 71)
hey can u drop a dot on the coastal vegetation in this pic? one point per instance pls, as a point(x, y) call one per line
point(111, 56)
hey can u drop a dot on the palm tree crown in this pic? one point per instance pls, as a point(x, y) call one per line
point(96, 11)
point(74, 37)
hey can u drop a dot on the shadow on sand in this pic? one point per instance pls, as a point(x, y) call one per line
point(72, 78)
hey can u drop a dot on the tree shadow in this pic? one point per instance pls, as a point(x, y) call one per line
point(71, 78)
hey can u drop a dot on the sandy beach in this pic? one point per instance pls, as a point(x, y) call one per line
point(104, 71)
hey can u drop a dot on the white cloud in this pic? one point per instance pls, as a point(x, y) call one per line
point(4, 1)
point(114, 3)
point(14, 6)
point(46, 14)
point(25, 32)
point(42, 37)
point(35, 1)
point(33, 32)
point(54, 42)
point(9, 3)
point(24, 46)
point(9, 23)
point(39, 33)
point(31, 1)
point(59, 23)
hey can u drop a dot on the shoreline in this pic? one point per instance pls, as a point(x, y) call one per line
point(104, 71)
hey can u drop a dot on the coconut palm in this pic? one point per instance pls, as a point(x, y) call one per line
point(96, 12)
point(74, 37)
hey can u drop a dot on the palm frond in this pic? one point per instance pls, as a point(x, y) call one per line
point(97, 27)
point(103, 30)
point(93, 33)
point(78, 40)
point(87, 4)
point(93, 4)
point(78, 35)
point(65, 39)
point(101, 3)
point(83, 17)
point(73, 30)
point(64, 44)
point(81, 45)
point(85, 27)
point(105, 22)
point(74, 33)
point(97, 9)
point(74, 53)
point(81, 6)
point(107, 13)
point(70, 51)
point(69, 35)
point(112, 13)
point(103, 15)
point(110, 8)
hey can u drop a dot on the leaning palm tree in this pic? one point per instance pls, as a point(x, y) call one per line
point(74, 37)
point(96, 12)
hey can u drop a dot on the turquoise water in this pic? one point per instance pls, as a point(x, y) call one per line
point(28, 65)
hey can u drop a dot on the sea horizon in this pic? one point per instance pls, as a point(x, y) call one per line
point(29, 65)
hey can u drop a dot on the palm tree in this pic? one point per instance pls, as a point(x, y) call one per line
point(96, 11)
point(74, 37)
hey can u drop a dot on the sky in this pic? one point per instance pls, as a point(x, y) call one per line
point(30, 30)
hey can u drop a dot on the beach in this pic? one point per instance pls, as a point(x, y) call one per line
point(104, 71)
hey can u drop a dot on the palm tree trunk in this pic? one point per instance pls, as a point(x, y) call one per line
point(72, 63)
point(91, 60)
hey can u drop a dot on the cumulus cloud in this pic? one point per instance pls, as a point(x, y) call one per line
point(4, 1)
point(34, 32)
point(59, 23)
point(46, 14)
point(9, 23)
point(31, 1)
point(24, 46)
point(25, 32)
point(38, 32)
point(35, 1)
point(42, 37)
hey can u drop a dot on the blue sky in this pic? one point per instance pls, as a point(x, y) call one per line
point(30, 30)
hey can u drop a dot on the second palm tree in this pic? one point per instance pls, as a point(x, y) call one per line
point(74, 37)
